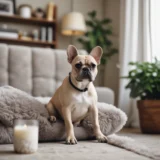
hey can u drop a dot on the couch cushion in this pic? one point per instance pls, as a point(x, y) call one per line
point(62, 66)
point(20, 68)
point(43, 87)
point(44, 70)
point(105, 95)
point(38, 71)
point(3, 64)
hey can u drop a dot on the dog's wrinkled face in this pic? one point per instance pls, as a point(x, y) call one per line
point(84, 67)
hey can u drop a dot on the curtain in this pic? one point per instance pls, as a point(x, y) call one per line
point(135, 45)
point(155, 27)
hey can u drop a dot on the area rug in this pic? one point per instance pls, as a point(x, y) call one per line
point(16, 104)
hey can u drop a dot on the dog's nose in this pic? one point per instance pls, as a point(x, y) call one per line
point(85, 70)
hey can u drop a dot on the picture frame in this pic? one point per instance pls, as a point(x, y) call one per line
point(14, 5)
point(7, 7)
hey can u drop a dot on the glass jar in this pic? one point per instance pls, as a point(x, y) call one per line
point(25, 136)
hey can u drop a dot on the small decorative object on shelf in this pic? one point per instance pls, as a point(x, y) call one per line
point(7, 7)
point(35, 34)
point(49, 34)
point(25, 136)
point(25, 11)
point(39, 13)
point(50, 11)
point(43, 33)
point(25, 36)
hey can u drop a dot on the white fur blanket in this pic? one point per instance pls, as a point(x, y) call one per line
point(16, 104)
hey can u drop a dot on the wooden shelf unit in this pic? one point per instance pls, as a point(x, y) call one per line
point(18, 19)
point(31, 21)
point(28, 42)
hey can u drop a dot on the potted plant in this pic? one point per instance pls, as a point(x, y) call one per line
point(144, 83)
point(98, 34)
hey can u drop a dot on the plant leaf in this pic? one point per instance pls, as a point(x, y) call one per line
point(98, 35)
point(106, 21)
point(92, 14)
point(108, 31)
point(89, 23)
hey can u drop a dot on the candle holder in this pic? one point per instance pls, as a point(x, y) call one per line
point(25, 136)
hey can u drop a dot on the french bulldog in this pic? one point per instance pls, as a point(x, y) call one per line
point(77, 97)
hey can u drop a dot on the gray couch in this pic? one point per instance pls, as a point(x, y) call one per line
point(38, 71)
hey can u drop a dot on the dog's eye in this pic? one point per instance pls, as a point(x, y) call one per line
point(78, 65)
point(93, 65)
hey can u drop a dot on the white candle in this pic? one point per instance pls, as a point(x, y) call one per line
point(25, 138)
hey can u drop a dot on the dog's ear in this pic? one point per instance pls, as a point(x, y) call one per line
point(97, 54)
point(71, 53)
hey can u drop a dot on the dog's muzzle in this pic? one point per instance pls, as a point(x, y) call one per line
point(86, 74)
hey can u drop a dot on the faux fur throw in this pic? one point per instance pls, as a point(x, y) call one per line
point(16, 104)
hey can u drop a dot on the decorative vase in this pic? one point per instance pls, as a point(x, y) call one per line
point(50, 11)
point(25, 11)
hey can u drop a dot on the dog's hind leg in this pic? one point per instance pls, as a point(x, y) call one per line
point(52, 112)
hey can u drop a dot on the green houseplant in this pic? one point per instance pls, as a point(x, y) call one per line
point(99, 32)
point(144, 83)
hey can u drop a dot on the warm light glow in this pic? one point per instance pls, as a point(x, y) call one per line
point(73, 24)
point(25, 126)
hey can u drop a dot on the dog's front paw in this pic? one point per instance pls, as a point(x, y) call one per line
point(102, 138)
point(52, 119)
point(77, 124)
point(71, 140)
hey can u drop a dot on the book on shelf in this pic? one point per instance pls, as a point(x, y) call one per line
point(46, 34)
point(8, 33)
point(8, 30)
point(49, 34)
point(43, 33)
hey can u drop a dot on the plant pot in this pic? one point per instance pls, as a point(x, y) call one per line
point(149, 115)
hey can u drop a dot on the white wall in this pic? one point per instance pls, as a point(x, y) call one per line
point(104, 8)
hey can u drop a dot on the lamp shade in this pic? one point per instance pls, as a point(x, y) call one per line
point(73, 24)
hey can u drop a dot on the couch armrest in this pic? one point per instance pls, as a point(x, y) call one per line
point(105, 95)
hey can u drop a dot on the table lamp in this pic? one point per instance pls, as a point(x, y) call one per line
point(73, 24)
